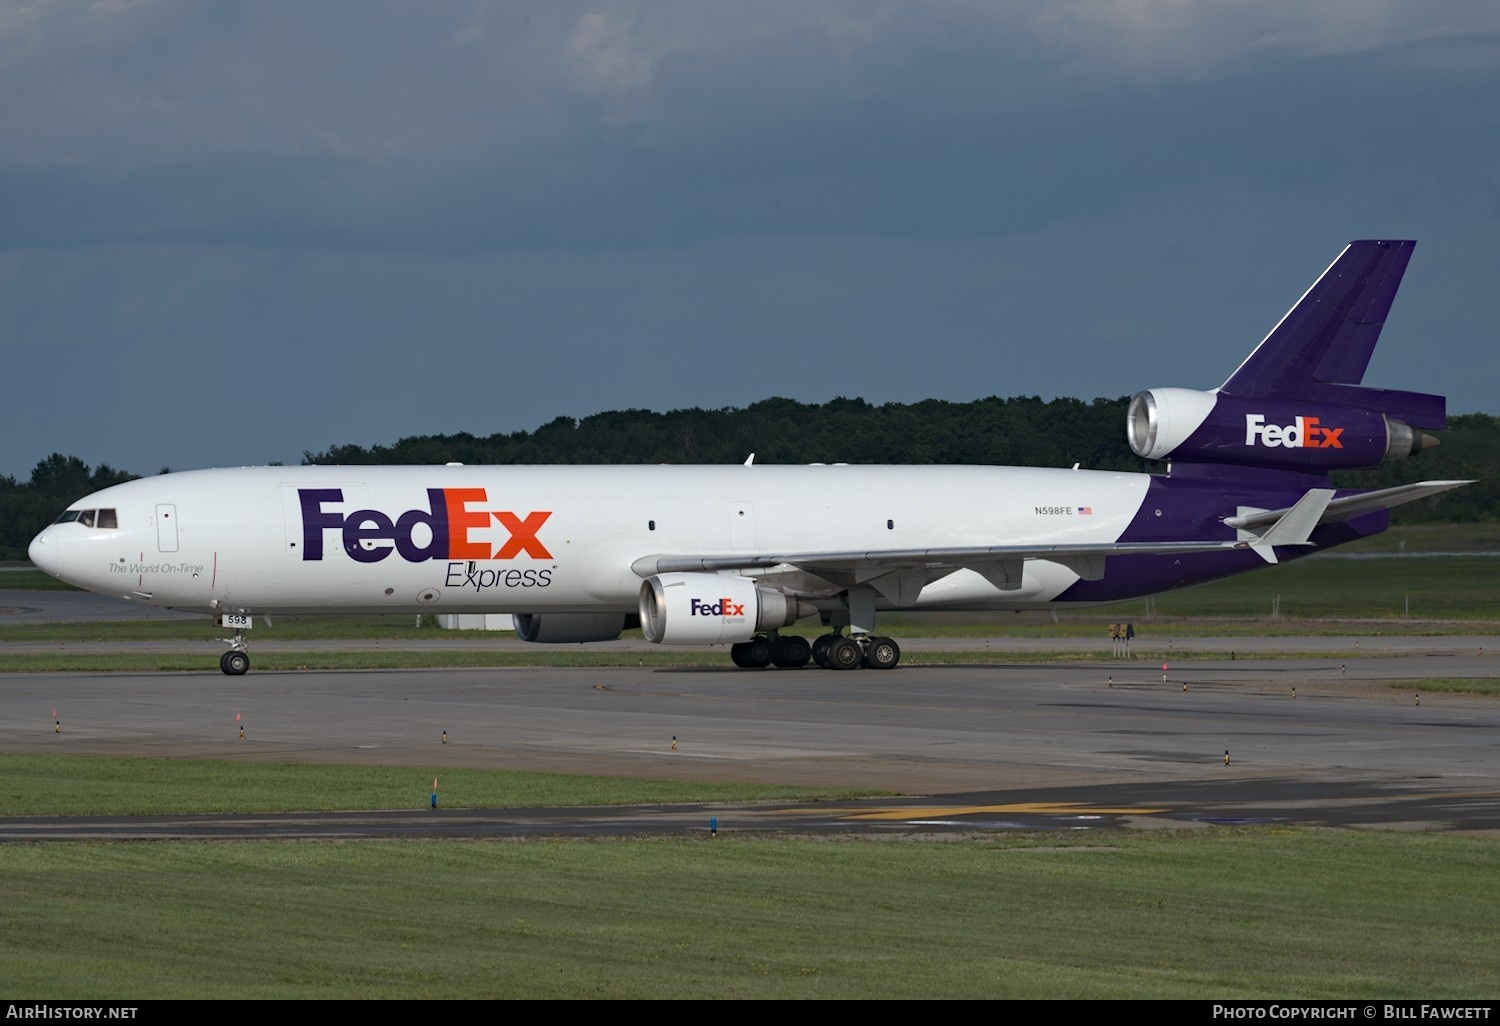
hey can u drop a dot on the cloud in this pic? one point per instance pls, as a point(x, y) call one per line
point(392, 127)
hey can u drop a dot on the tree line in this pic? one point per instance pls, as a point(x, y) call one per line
point(1020, 431)
point(28, 506)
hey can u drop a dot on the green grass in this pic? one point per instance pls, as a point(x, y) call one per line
point(1455, 685)
point(1390, 588)
point(1319, 595)
point(207, 660)
point(286, 628)
point(1221, 914)
point(32, 580)
point(1475, 536)
point(1444, 595)
point(63, 785)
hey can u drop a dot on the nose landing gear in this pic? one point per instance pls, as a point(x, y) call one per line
point(236, 661)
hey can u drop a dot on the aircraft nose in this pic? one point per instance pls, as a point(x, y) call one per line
point(43, 553)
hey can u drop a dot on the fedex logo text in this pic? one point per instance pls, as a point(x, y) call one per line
point(723, 607)
point(1306, 433)
point(448, 523)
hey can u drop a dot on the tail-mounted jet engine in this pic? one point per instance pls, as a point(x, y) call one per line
point(707, 609)
point(1189, 426)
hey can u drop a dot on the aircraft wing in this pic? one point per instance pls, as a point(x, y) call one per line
point(900, 574)
point(935, 559)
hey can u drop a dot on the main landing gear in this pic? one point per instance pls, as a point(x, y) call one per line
point(767, 649)
point(831, 651)
point(836, 650)
point(844, 652)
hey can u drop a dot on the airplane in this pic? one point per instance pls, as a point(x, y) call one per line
point(733, 555)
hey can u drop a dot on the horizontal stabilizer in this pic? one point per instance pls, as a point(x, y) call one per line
point(1295, 526)
point(1350, 506)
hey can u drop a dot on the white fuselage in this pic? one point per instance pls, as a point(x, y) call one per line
point(526, 539)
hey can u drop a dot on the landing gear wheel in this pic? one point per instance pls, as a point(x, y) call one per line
point(234, 662)
point(754, 654)
point(844, 654)
point(820, 649)
point(790, 652)
point(882, 654)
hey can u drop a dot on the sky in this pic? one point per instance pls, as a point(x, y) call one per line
point(232, 233)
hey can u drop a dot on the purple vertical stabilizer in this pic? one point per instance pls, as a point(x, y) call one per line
point(1320, 349)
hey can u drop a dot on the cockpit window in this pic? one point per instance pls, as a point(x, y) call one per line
point(99, 518)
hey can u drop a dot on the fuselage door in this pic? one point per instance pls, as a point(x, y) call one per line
point(166, 527)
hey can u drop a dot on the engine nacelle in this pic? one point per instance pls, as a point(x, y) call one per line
point(571, 628)
point(709, 609)
point(1207, 427)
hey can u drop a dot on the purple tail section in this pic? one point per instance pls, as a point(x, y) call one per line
point(1296, 402)
point(1322, 346)
point(1249, 460)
